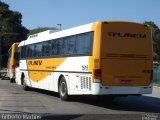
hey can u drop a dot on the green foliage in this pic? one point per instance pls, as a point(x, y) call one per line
point(156, 39)
point(41, 29)
point(156, 75)
point(11, 29)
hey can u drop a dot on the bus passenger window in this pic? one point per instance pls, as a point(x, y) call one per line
point(60, 45)
point(46, 48)
point(38, 50)
point(30, 51)
point(71, 45)
point(23, 52)
point(54, 50)
point(65, 46)
point(84, 44)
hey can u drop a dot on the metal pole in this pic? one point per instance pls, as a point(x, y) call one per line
point(59, 26)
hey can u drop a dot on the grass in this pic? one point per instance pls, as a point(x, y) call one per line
point(156, 80)
point(157, 83)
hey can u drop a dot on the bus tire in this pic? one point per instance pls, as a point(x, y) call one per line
point(63, 90)
point(25, 87)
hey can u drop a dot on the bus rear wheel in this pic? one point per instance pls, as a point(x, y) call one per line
point(63, 90)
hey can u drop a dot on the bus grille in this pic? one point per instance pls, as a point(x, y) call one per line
point(85, 83)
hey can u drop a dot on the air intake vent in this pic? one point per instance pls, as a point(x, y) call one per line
point(85, 82)
point(34, 35)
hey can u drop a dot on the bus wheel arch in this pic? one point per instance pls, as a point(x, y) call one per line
point(63, 88)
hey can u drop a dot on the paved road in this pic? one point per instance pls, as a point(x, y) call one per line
point(14, 100)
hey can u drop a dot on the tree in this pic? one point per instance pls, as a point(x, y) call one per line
point(41, 29)
point(156, 39)
point(11, 28)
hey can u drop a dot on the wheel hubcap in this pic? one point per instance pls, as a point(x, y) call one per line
point(63, 88)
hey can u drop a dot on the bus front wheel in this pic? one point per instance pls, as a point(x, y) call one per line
point(63, 90)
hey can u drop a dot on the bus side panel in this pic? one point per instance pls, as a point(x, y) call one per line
point(80, 84)
point(24, 71)
point(18, 76)
point(75, 70)
point(79, 75)
point(47, 82)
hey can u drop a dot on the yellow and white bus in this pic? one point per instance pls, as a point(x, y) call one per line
point(100, 58)
point(12, 62)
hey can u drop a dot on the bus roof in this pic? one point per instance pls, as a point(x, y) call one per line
point(55, 34)
point(50, 34)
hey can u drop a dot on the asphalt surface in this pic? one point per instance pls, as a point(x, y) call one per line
point(13, 99)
